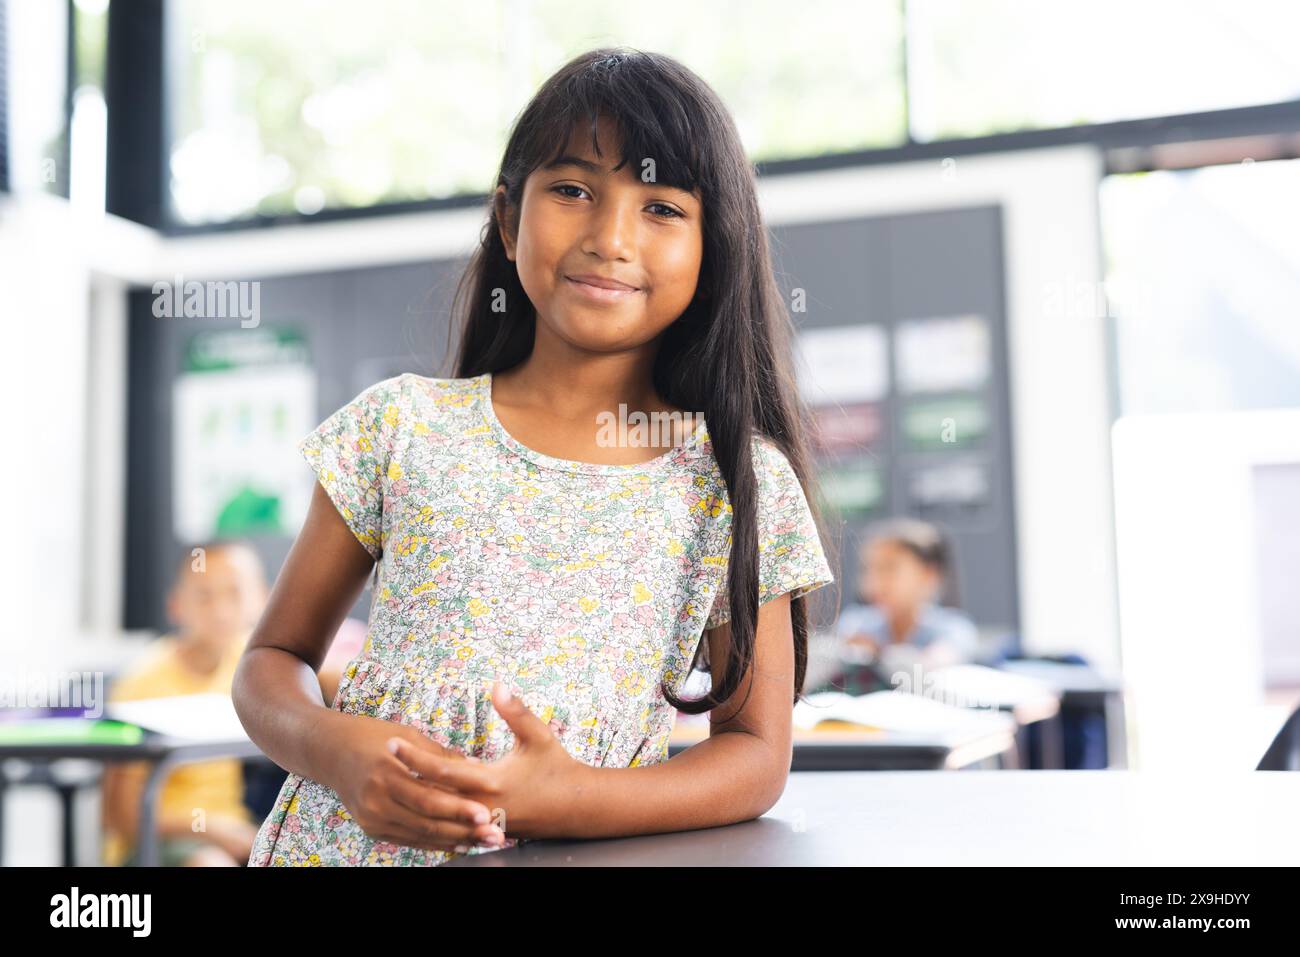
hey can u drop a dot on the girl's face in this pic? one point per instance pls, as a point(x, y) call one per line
point(895, 580)
point(578, 219)
point(222, 601)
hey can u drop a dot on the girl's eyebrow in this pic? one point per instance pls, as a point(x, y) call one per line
point(577, 161)
point(596, 169)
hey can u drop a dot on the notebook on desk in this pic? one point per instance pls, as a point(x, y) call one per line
point(196, 717)
point(70, 731)
point(898, 711)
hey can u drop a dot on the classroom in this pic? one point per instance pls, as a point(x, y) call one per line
point(517, 392)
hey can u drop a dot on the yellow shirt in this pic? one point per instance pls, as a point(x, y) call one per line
point(217, 787)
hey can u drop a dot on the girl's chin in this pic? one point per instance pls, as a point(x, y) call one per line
point(600, 326)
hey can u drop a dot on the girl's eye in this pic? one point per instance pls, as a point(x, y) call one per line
point(556, 189)
point(668, 211)
point(671, 214)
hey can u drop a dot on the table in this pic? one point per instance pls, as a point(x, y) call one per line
point(1016, 818)
point(1083, 689)
point(1026, 698)
point(843, 747)
point(165, 751)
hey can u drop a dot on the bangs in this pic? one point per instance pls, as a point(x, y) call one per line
point(649, 120)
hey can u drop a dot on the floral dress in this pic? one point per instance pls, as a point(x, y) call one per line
point(584, 585)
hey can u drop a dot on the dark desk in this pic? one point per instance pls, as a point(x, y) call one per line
point(166, 753)
point(850, 748)
point(1084, 690)
point(1055, 818)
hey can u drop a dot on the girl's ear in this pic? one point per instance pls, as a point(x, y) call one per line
point(501, 208)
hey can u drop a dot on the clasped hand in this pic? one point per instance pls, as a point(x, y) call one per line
point(421, 794)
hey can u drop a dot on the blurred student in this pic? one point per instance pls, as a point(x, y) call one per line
point(905, 566)
point(215, 601)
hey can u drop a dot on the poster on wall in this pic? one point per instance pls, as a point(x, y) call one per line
point(957, 485)
point(951, 422)
point(853, 489)
point(943, 354)
point(843, 364)
point(241, 403)
point(845, 431)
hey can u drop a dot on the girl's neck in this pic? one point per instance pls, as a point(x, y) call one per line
point(579, 391)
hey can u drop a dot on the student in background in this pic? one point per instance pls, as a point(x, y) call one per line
point(219, 592)
point(905, 568)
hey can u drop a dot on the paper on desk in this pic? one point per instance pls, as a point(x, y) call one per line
point(978, 686)
point(197, 717)
point(1063, 676)
point(899, 711)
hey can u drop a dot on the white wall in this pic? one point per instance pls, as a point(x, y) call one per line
point(1190, 596)
point(62, 373)
point(43, 309)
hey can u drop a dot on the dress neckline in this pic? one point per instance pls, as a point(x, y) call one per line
point(483, 387)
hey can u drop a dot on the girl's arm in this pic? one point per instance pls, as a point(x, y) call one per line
point(122, 788)
point(279, 699)
point(276, 692)
point(736, 774)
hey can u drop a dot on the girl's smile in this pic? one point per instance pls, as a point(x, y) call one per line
point(597, 289)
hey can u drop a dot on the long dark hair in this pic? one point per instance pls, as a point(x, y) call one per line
point(728, 355)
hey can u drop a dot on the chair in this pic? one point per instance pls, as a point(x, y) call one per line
point(1284, 753)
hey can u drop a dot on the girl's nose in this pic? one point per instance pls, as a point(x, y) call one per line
point(611, 230)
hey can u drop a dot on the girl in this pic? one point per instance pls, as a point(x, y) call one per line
point(904, 566)
point(624, 266)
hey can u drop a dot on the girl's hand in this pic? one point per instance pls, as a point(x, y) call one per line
point(861, 648)
point(233, 836)
point(528, 790)
point(388, 803)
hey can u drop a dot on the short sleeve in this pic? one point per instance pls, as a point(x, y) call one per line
point(790, 553)
point(352, 454)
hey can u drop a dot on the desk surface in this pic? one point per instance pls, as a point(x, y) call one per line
point(153, 747)
point(837, 746)
point(976, 818)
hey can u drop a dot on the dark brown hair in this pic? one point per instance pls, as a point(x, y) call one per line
point(728, 355)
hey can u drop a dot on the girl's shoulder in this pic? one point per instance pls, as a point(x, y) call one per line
point(411, 386)
point(413, 399)
point(440, 405)
point(387, 415)
point(767, 454)
point(773, 471)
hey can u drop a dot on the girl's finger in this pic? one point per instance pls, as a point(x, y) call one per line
point(464, 776)
point(428, 746)
point(412, 829)
point(436, 802)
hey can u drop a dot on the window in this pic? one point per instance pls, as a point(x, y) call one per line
point(1203, 272)
point(1003, 65)
point(294, 107)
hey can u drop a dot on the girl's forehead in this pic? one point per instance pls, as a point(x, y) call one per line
point(579, 155)
point(602, 143)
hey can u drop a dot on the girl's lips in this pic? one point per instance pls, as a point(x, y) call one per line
point(599, 293)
